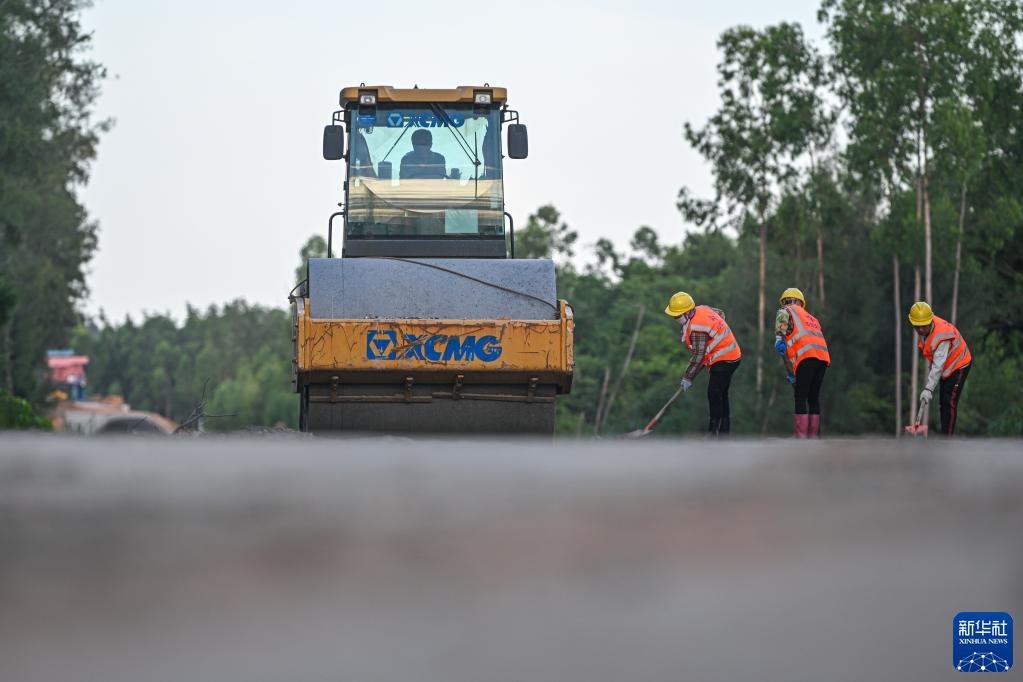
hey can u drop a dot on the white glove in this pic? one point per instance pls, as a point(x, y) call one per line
point(925, 396)
point(686, 385)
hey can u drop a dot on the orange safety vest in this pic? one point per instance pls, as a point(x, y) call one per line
point(806, 339)
point(722, 346)
point(958, 354)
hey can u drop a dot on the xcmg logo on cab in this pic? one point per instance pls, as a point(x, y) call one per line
point(388, 344)
point(398, 120)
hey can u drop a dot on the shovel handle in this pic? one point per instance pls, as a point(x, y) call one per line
point(660, 413)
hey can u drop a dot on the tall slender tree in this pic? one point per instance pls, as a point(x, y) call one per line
point(770, 83)
point(959, 156)
point(907, 73)
point(47, 141)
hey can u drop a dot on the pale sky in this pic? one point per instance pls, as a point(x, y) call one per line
point(212, 179)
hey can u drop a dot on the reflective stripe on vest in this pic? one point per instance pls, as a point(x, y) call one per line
point(724, 351)
point(722, 345)
point(806, 340)
point(938, 338)
point(718, 338)
point(958, 353)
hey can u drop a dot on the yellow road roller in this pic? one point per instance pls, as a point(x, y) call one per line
point(426, 322)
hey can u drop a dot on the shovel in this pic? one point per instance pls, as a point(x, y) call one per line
point(918, 429)
point(639, 433)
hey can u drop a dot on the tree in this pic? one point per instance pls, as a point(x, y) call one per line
point(314, 247)
point(910, 72)
point(646, 244)
point(18, 413)
point(959, 153)
point(6, 300)
point(546, 235)
point(47, 142)
point(768, 119)
point(609, 262)
point(237, 356)
point(980, 135)
point(900, 62)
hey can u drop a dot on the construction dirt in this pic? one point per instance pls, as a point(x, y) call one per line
point(277, 557)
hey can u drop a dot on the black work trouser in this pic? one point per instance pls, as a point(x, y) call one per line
point(951, 391)
point(717, 389)
point(809, 377)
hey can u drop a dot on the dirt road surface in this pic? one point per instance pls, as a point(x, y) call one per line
point(294, 559)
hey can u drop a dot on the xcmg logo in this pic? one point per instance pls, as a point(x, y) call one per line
point(383, 344)
point(396, 119)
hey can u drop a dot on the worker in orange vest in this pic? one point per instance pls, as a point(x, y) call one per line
point(945, 348)
point(799, 340)
point(711, 343)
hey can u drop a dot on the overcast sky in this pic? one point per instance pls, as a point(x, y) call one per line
point(212, 179)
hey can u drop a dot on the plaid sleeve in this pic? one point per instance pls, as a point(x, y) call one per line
point(699, 341)
point(782, 323)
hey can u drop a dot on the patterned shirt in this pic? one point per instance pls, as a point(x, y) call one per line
point(783, 325)
point(699, 340)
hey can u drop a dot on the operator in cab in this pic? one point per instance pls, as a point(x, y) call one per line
point(422, 163)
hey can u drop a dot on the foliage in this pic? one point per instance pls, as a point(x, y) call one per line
point(771, 116)
point(47, 141)
point(929, 89)
point(771, 112)
point(545, 236)
point(240, 355)
point(18, 413)
point(931, 95)
point(720, 270)
point(928, 96)
point(314, 247)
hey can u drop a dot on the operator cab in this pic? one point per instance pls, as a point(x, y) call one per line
point(424, 170)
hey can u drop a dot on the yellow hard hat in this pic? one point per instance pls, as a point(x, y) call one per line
point(680, 304)
point(792, 292)
point(920, 314)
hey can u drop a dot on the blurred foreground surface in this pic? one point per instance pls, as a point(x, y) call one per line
point(249, 559)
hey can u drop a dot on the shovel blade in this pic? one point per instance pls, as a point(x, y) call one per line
point(917, 430)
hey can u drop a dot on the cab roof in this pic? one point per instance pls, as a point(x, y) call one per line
point(387, 93)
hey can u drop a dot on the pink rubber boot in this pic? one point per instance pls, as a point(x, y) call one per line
point(815, 426)
point(800, 425)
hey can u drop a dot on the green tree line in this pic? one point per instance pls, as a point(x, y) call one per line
point(878, 167)
point(237, 357)
point(882, 168)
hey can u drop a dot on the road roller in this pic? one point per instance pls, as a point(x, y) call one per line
point(420, 319)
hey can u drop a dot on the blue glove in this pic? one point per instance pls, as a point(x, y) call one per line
point(779, 346)
point(791, 377)
point(686, 385)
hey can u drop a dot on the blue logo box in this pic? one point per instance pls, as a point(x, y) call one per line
point(982, 642)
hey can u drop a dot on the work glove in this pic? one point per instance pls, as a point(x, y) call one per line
point(779, 345)
point(925, 396)
point(791, 377)
point(686, 385)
